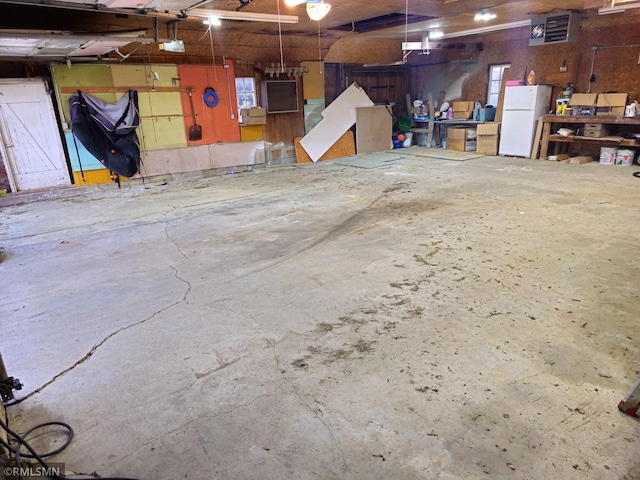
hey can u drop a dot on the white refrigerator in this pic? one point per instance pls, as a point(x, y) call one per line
point(522, 107)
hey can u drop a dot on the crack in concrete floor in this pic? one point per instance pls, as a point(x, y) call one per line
point(447, 339)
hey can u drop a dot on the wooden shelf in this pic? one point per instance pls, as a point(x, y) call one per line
point(596, 119)
point(546, 137)
point(626, 142)
point(72, 90)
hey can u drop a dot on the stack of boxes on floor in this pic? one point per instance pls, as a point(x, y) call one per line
point(483, 139)
point(461, 139)
point(488, 135)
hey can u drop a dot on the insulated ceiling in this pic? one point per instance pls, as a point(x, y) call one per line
point(382, 18)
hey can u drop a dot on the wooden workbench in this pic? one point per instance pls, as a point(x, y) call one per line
point(554, 122)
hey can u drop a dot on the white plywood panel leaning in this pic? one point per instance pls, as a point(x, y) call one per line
point(337, 118)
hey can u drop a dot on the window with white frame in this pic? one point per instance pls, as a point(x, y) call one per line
point(246, 92)
point(495, 80)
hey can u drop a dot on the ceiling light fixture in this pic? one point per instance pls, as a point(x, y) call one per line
point(206, 13)
point(213, 21)
point(484, 16)
point(618, 8)
point(408, 46)
point(434, 35)
point(316, 9)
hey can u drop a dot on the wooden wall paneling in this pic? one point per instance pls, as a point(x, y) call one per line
point(161, 115)
point(161, 120)
point(77, 77)
point(313, 81)
point(228, 130)
point(217, 122)
point(383, 84)
point(133, 76)
point(333, 82)
point(284, 127)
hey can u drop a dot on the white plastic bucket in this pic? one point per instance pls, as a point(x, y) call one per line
point(408, 139)
point(625, 157)
point(608, 155)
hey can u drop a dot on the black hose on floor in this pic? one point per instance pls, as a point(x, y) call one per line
point(33, 454)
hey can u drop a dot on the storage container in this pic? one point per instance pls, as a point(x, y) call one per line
point(624, 157)
point(608, 155)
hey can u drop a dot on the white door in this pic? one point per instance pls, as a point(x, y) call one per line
point(35, 158)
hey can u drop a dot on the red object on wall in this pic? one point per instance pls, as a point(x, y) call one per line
point(217, 124)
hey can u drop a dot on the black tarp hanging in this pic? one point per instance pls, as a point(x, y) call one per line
point(108, 131)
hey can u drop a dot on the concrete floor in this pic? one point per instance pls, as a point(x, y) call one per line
point(427, 319)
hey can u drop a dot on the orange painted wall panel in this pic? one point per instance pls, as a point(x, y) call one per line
point(217, 124)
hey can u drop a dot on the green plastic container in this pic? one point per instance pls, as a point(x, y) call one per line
point(404, 124)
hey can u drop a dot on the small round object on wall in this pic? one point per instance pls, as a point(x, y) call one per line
point(210, 97)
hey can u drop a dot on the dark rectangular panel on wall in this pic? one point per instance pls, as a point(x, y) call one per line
point(280, 96)
point(284, 127)
point(333, 82)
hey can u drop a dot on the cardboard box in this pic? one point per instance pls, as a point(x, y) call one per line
point(487, 145)
point(461, 139)
point(463, 115)
point(253, 112)
point(462, 110)
point(583, 100)
point(488, 138)
point(488, 129)
point(249, 120)
point(611, 104)
point(460, 133)
point(465, 105)
point(462, 145)
point(253, 116)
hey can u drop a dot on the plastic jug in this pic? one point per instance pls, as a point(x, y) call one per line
point(531, 78)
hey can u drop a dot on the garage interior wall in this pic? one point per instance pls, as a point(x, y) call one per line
point(610, 42)
point(165, 112)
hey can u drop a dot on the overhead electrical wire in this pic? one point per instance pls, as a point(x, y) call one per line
point(280, 39)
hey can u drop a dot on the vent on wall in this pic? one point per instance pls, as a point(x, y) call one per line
point(554, 28)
